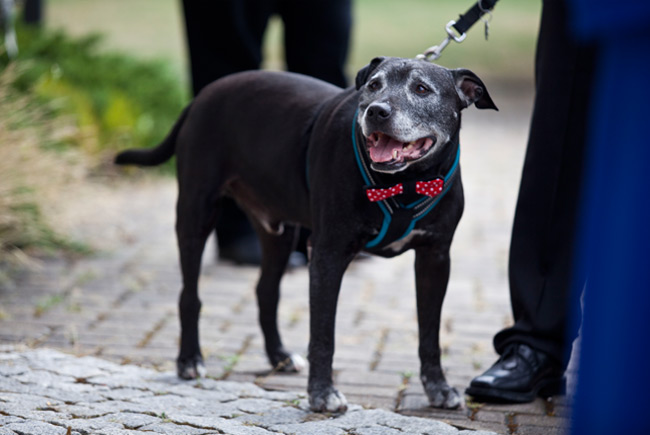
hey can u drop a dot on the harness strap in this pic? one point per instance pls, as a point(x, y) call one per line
point(399, 220)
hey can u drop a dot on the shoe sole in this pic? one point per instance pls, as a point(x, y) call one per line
point(545, 388)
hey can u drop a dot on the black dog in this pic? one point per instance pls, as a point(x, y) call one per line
point(297, 151)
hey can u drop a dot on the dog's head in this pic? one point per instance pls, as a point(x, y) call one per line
point(410, 109)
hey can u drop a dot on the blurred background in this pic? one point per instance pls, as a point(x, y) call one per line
point(97, 76)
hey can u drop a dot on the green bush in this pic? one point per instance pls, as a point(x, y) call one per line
point(29, 172)
point(64, 103)
point(119, 101)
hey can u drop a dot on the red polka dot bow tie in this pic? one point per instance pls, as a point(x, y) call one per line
point(431, 188)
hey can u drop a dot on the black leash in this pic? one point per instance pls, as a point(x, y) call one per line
point(457, 30)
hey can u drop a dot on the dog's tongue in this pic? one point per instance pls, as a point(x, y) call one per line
point(381, 147)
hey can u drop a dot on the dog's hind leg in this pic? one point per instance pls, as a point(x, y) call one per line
point(276, 249)
point(196, 217)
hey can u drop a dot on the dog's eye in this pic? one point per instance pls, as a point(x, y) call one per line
point(374, 85)
point(421, 89)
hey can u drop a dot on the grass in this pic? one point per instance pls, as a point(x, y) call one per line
point(145, 29)
point(48, 303)
point(117, 100)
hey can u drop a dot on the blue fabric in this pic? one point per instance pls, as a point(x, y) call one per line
point(622, 19)
point(614, 370)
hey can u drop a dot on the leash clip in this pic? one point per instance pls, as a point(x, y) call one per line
point(486, 21)
point(433, 53)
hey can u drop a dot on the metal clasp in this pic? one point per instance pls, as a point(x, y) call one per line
point(452, 35)
point(433, 53)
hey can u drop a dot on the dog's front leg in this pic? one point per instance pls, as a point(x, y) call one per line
point(432, 276)
point(325, 275)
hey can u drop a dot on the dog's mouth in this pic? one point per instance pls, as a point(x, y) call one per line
point(389, 151)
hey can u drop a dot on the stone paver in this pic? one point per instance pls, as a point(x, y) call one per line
point(120, 305)
point(44, 391)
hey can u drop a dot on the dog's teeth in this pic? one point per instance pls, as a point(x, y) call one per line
point(395, 152)
point(409, 147)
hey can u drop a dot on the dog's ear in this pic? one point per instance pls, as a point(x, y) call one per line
point(471, 90)
point(365, 72)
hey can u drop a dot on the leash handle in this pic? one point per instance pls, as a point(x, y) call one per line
point(461, 26)
point(473, 14)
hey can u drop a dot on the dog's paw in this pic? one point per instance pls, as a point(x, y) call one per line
point(441, 395)
point(190, 368)
point(294, 363)
point(285, 362)
point(328, 400)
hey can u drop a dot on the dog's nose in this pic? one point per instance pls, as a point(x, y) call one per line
point(378, 111)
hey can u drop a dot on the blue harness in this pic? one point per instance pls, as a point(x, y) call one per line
point(399, 219)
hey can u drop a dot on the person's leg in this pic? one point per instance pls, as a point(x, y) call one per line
point(317, 35)
point(542, 245)
point(225, 37)
point(316, 43)
point(33, 12)
point(543, 235)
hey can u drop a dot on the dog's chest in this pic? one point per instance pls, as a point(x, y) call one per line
point(407, 242)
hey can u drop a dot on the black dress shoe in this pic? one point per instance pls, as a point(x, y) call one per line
point(519, 375)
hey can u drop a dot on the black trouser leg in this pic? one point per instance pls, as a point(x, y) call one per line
point(316, 37)
point(542, 245)
point(225, 37)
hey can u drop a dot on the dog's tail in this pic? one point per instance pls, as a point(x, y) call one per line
point(157, 155)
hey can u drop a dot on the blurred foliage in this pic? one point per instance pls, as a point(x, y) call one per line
point(65, 105)
point(29, 173)
point(119, 101)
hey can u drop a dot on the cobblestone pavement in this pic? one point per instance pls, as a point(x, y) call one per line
point(120, 305)
point(48, 392)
